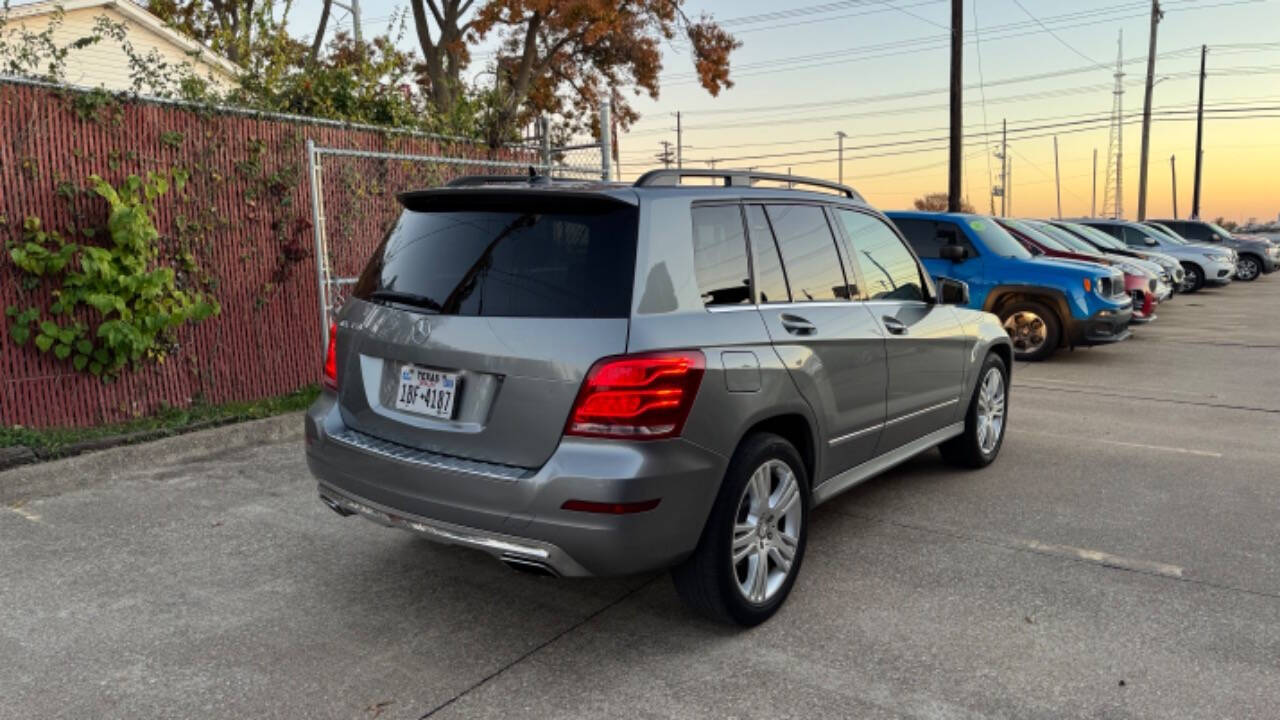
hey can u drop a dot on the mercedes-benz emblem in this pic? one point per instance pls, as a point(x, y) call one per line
point(420, 332)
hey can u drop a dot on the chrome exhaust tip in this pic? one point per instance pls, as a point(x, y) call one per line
point(329, 503)
point(525, 565)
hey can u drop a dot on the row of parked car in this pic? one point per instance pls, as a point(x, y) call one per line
point(1045, 306)
point(588, 379)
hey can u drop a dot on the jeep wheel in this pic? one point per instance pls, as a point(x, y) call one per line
point(1033, 328)
point(1248, 268)
point(985, 421)
point(1193, 280)
point(751, 548)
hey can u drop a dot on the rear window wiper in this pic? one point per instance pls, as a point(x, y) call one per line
point(406, 298)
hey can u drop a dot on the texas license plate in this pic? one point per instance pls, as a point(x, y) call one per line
point(427, 392)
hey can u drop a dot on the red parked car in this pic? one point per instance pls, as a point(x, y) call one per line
point(1141, 286)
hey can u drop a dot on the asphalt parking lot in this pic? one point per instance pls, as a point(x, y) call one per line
point(1117, 561)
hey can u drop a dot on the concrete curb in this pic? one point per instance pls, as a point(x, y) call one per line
point(27, 482)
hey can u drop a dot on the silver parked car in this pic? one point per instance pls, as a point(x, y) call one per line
point(603, 379)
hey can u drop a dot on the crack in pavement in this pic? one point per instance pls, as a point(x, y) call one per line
point(540, 646)
point(1078, 555)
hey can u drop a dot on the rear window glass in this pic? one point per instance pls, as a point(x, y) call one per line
point(720, 255)
point(808, 253)
point(495, 263)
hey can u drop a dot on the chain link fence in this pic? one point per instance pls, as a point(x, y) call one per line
point(354, 197)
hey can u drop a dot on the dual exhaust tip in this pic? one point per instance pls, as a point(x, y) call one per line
point(515, 562)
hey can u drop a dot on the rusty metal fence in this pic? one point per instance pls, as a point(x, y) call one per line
point(249, 214)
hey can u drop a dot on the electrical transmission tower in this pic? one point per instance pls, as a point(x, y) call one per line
point(1113, 190)
point(666, 157)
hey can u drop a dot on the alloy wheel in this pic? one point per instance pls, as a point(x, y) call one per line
point(990, 411)
point(1247, 268)
point(1026, 330)
point(766, 531)
point(1190, 279)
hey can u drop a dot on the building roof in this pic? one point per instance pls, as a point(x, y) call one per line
point(134, 13)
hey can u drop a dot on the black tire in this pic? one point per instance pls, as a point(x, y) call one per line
point(965, 450)
point(1051, 332)
point(1194, 278)
point(1252, 266)
point(707, 581)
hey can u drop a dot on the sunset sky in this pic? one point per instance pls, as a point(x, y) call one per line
point(808, 69)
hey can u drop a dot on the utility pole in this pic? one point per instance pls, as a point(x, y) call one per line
point(679, 143)
point(957, 106)
point(1093, 194)
point(1004, 165)
point(353, 7)
point(1008, 188)
point(1156, 14)
point(1057, 177)
point(1173, 170)
point(840, 136)
point(665, 156)
point(1195, 196)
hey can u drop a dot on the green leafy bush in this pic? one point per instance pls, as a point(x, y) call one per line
point(133, 291)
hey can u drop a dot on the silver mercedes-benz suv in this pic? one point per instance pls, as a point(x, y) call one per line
point(603, 379)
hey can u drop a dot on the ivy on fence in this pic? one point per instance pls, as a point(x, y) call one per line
point(138, 297)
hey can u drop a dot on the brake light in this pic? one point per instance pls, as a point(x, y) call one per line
point(638, 397)
point(331, 359)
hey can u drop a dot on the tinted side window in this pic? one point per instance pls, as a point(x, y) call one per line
point(950, 234)
point(1134, 237)
point(1112, 230)
point(927, 237)
point(890, 271)
point(720, 255)
point(1193, 231)
point(808, 252)
point(771, 283)
point(922, 234)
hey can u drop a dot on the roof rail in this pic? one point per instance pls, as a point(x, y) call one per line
point(733, 178)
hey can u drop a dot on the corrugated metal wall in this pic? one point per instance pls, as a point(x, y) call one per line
point(249, 199)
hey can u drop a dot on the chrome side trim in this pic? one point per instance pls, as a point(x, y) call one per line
point(496, 544)
point(917, 413)
point(880, 426)
point(426, 458)
point(856, 433)
point(847, 479)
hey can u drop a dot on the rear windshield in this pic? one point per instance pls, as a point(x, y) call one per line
point(576, 263)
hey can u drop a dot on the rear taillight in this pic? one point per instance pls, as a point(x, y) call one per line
point(638, 397)
point(331, 359)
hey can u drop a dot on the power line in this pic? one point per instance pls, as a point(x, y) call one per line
point(1088, 19)
point(1055, 35)
point(1234, 48)
point(983, 93)
point(1093, 119)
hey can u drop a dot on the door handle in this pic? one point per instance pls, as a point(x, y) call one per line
point(894, 325)
point(797, 325)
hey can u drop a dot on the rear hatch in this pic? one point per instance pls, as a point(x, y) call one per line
point(477, 318)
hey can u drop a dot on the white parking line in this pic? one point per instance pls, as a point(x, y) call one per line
point(1122, 443)
point(33, 517)
point(1185, 451)
point(1102, 558)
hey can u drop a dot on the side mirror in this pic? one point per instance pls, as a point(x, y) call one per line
point(954, 253)
point(1151, 242)
point(952, 291)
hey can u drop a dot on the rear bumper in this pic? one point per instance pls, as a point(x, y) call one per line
point(515, 513)
point(1104, 326)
